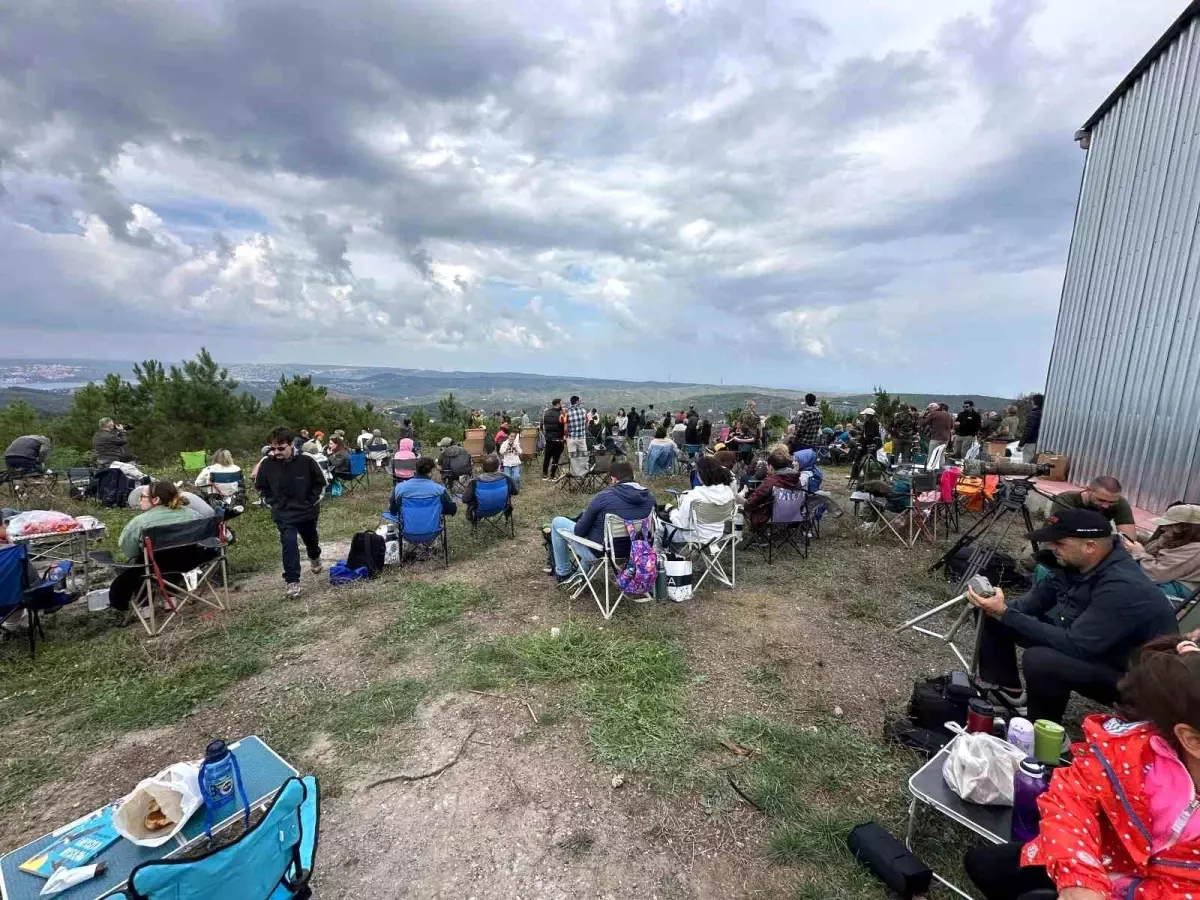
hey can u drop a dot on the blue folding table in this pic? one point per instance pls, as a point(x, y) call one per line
point(263, 773)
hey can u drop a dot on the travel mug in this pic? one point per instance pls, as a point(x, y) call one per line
point(1048, 741)
point(1020, 734)
point(979, 717)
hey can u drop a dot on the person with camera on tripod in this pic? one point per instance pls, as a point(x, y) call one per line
point(1078, 626)
point(869, 440)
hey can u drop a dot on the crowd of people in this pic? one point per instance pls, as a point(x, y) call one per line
point(1099, 620)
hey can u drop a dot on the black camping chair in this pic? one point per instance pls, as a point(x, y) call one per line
point(170, 554)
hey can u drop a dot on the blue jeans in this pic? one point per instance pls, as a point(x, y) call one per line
point(288, 534)
point(563, 564)
point(513, 472)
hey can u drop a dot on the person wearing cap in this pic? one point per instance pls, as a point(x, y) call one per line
point(454, 461)
point(1078, 626)
point(1103, 495)
point(868, 441)
point(1172, 558)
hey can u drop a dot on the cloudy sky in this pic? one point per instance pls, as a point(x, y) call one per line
point(817, 194)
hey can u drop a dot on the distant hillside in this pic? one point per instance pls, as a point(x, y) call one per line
point(50, 402)
point(401, 390)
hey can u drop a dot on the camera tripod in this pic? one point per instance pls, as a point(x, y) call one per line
point(985, 537)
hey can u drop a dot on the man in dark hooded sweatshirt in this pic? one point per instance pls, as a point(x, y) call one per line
point(624, 498)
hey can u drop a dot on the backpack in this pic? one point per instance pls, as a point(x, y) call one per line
point(936, 701)
point(113, 488)
point(367, 551)
point(641, 570)
point(1002, 570)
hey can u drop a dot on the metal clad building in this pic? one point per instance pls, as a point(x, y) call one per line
point(1123, 391)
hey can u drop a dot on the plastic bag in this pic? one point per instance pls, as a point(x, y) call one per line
point(391, 553)
point(176, 789)
point(980, 768)
point(40, 521)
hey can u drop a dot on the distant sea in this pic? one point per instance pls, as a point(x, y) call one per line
point(45, 385)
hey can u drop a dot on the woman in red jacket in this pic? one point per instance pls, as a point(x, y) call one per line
point(1121, 821)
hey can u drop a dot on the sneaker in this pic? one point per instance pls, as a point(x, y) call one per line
point(315, 566)
point(293, 590)
point(547, 570)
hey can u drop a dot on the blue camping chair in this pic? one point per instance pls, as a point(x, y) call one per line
point(492, 507)
point(18, 591)
point(422, 524)
point(272, 861)
point(358, 472)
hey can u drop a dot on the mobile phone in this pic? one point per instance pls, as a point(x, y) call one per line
point(981, 586)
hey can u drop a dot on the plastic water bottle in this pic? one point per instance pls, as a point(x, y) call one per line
point(1029, 784)
point(220, 783)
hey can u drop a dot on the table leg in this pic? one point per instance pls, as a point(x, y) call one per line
point(912, 823)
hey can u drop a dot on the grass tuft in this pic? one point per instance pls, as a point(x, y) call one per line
point(630, 689)
point(428, 606)
point(358, 719)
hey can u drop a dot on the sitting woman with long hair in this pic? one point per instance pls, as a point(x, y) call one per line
point(1121, 820)
point(716, 487)
point(160, 504)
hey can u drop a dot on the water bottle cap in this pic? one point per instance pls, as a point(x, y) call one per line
point(1033, 768)
point(215, 750)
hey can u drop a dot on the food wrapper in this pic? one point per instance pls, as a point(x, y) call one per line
point(176, 790)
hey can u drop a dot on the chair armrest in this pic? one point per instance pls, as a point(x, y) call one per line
point(576, 539)
point(390, 518)
point(105, 558)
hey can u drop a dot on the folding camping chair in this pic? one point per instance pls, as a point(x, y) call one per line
point(596, 478)
point(272, 860)
point(1186, 612)
point(81, 482)
point(492, 507)
point(575, 477)
point(604, 561)
point(193, 554)
point(357, 473)
point(21, 593)
point(30, 486)
point(378, 454)
point(788, 525)
point(193, 460)
point(421, 524)
point(225, 488)
point(874, 517)
point(713, 554)
point(924, 498)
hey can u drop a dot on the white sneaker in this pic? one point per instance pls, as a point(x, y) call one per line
point(293, 590)
point(315, 565)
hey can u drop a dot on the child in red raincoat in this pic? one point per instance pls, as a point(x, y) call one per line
point(1122, 820)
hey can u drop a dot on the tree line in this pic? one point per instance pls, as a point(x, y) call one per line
point(192, 406)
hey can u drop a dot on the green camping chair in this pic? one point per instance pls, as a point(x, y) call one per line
point(193, 460)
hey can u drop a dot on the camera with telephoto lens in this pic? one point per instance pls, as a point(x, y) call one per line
point(1004, 466)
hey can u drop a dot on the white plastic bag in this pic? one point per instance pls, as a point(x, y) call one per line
point(176, 789)
point(391, 553)
point(980, 768)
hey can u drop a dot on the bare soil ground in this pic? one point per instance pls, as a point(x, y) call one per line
point(393, 677)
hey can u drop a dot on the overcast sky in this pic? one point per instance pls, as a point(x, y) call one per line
point(819, 195)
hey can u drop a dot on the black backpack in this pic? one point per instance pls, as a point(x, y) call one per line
point(934, 702)
point(113, 488)
point(367, 551)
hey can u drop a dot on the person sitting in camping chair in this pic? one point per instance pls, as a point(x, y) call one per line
point(624, 498)
point(161, 503)
point(339, 458)
point(454, 462)
point(421, 485)
point(780, 473)
point(491, 473)
point(716, 488)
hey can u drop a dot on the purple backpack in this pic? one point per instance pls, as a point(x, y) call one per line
point(641, 571)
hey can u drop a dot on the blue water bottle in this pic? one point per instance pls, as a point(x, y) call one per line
point(220, 777)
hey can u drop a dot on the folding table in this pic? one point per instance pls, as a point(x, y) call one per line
point(263, 773)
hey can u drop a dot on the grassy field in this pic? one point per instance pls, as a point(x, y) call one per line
point(744, 726)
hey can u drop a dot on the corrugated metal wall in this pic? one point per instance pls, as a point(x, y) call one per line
point(1123, 392)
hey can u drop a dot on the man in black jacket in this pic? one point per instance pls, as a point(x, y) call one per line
point(292, 485)
point(967, 422)
point(110, 445)
point(1033, 425)
point(553, 430)
point(1078, 626)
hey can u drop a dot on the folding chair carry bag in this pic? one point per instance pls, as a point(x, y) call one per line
point(272, 861)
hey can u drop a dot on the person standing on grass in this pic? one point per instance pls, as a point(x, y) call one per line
point(554, 431)
point(509, 448)
point(292, 485)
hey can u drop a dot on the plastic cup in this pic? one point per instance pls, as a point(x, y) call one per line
point(1048, 741)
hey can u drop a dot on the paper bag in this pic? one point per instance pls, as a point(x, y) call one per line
point(177, 791)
